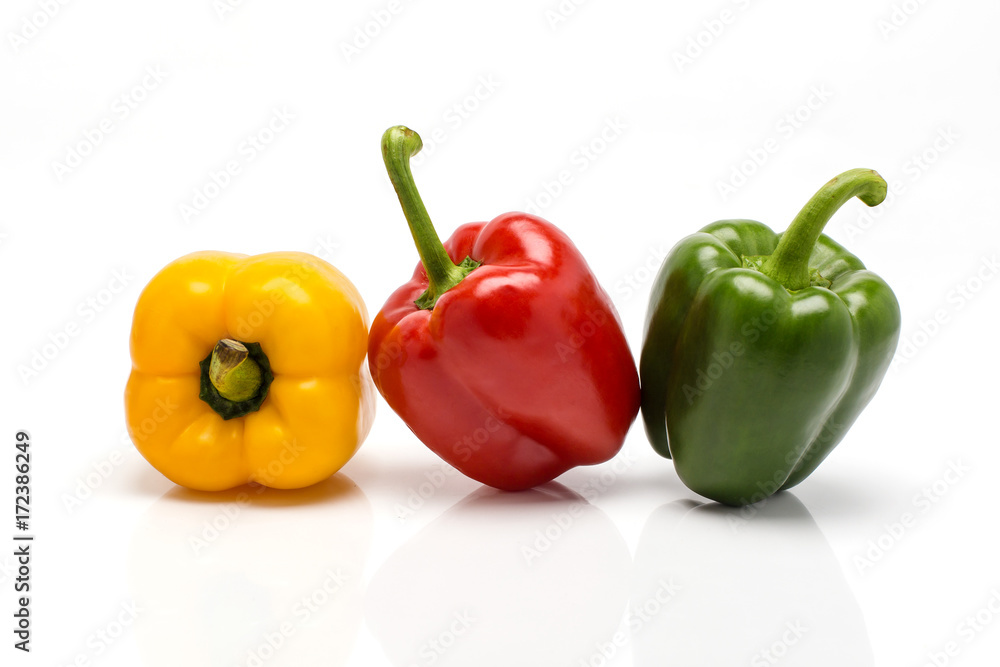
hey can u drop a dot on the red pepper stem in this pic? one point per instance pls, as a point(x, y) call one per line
point(399, 144)
point(789, 264)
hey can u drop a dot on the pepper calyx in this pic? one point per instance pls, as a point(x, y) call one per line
point(235, 378)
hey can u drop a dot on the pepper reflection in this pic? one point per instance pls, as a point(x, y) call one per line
point(503, 579)
point(755, 586)
point(227, 578)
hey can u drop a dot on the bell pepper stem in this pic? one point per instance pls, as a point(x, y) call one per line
point(233, 373)
point(235, 378)
point(789, 264)
point(399, 144)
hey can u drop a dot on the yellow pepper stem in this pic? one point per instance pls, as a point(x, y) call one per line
point(232, 372)
point(235, 378)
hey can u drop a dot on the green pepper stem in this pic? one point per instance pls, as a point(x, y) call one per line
point(789, 264)
point(399, 144)
point(232, 372)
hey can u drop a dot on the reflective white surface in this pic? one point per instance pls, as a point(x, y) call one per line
point(400, 561)
point(750, 586)
point(226, 577)
point(543, 569)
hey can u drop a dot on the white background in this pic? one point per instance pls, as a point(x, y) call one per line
point(881, 557)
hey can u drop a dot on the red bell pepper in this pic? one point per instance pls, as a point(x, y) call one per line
point(502, 353)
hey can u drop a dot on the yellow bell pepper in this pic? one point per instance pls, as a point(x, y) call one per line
point(249, 369)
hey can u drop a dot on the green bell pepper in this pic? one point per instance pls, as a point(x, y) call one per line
point(761, 349)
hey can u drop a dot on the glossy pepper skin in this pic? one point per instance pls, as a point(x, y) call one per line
point(311, 327)
point(757, 357)
point(519, 369)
